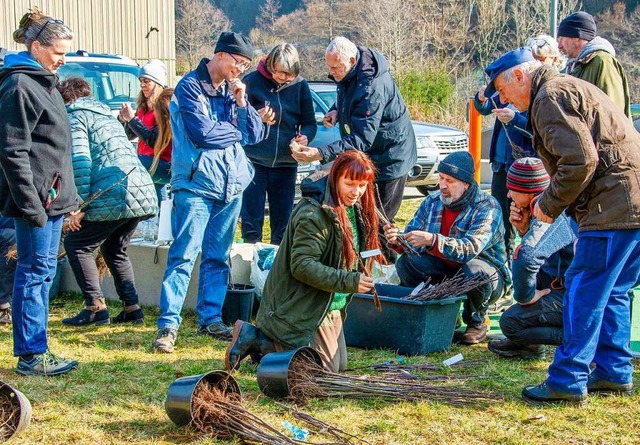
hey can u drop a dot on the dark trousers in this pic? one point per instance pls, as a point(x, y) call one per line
point(413, 269)
point(539, 323)
point(112, 237)
point(391, 193)
point(278, 184)
point(499, 191)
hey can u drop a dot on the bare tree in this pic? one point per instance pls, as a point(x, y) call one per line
point(388, 26)
point(198, 24)
point(268, 15)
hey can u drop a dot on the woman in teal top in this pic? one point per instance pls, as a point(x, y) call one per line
point(317, 266)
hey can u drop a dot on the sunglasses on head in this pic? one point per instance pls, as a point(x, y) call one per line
point(54, 21)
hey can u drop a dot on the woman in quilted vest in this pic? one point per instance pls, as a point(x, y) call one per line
point(142, 124)
point(117, 191)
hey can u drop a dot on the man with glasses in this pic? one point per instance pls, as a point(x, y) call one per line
point(593, 58)
point(211, 121)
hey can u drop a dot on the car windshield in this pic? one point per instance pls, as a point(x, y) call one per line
point(328, 97)
point(112, 84)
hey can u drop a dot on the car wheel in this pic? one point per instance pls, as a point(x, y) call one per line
point(425, 189)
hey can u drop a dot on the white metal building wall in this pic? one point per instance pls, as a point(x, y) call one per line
point(106, 26)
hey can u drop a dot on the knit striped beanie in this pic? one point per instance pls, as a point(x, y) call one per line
point(527, 175)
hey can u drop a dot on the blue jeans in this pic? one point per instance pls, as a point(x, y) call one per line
point(7, 268)
point(414, 269)
point(161, 177)
point(596, 316)
point(279, 184)
point(36, 268)
point(198, 224)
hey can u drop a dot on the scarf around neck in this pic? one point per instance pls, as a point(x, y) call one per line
point(467, 198)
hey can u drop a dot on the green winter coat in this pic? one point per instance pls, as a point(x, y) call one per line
point(305, 272)
point(102, 155)
point(597, 65)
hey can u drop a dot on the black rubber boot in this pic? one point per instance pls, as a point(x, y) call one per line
point(246, 340)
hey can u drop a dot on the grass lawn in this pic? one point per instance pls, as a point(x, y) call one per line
point(116, 395)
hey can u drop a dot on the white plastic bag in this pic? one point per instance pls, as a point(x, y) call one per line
point(258, 274)
point(385, 274)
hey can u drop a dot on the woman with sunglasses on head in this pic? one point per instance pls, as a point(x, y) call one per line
point(36, 181)
point(317, 267)
point(283, 99)
point(142, 124)
point(545, 49)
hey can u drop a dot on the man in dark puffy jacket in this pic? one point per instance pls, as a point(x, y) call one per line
point(590, 150)
point(372, 117)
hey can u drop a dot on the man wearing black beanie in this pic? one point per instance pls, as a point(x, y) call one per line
point(211, 121)
point(592, 58)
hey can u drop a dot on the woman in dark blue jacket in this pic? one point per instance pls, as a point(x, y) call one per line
point(286, 105)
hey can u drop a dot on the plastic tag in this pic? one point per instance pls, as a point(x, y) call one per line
point(417, 289)
point(453, 360)
point(369, 253)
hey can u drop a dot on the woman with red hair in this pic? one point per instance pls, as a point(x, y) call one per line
point(317, 267)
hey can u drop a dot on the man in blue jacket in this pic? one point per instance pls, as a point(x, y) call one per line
point(372, 117)
point(539, 265)
point(211, 121)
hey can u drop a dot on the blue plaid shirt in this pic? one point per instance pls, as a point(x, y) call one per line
point(477, 232)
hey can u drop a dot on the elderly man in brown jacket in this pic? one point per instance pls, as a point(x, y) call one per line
point(592, 153)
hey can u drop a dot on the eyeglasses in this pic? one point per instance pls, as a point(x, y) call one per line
point(55, 21)
point(242, 66)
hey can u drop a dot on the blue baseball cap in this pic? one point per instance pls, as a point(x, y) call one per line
point(503, 63)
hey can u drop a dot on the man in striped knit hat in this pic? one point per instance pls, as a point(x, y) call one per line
point(539, 264)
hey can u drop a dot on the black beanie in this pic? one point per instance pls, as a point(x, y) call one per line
point(579, 24)
point(459, 165)
point(234, 43)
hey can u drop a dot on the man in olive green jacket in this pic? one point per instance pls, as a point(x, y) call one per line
point(593, 59)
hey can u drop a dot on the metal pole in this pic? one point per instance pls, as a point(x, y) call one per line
point(475, 137)
point(553, 18)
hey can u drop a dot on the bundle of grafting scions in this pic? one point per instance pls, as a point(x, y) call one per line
point(309, 380)
point(220, 413)
point(9, 414)
point(450, 287)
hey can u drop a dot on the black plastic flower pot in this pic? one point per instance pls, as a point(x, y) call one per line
point(273, 372)
point(238, 303)
point(16, 411)
point(179, 401)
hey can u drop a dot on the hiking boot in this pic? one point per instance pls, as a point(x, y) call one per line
point(45, 364)
point(246, 340)
point(134, 317)
point(511, 349)
point(502, 304)
point(596, 385)
point(474, 334)
point(165, 340)
point(216, 329)
point(5, 315)
point(543, 395)
point(88, 316)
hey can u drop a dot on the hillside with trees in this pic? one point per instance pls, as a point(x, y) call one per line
point(436, 48)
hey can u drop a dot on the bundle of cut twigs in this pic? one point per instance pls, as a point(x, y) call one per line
point(450, 287)
point(220, 413)
point(407, 247)
point(309, 380)
point(9, 412)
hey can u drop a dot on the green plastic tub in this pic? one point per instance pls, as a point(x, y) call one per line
point(408, 327)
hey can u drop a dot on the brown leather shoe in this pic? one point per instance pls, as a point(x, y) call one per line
point(474, 334)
